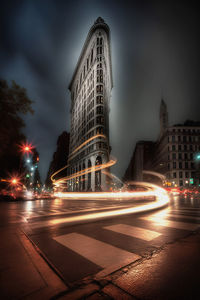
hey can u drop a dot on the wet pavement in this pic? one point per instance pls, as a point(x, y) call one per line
point(138, 255)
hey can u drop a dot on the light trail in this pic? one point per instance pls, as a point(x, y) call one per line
point(85, 171)
point(86, 142)
point(159, 175)
point(161, 195)
point(151, 191)
point(154, 191)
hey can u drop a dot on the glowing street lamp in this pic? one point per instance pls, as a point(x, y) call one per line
point(14, 181)
point(26, 148)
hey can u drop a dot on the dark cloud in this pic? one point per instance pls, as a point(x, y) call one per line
point(155, 53)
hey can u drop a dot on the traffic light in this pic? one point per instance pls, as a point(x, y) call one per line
point(191, 181)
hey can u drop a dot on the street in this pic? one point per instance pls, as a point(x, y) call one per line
point(96, 249)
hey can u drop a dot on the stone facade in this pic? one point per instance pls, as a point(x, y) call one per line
point(90, 89)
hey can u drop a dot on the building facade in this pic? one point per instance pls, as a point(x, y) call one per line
point(140, 161)
point(90, 89)
point(176, 154)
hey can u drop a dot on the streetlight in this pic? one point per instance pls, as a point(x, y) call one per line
point(26, 148)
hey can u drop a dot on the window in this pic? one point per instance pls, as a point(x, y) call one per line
point(100, 120)
point(91, 58)
point(99, 88)
point(173, 155)
point(99, 109)
point(186, 175)
point(186, 165)
point(173, 148)
point(180, 174)
point(99, 78)
point(180, 165)
point(99, 100)
point(173, 138)
point(180, 156)
point(174, 175)
point(174, 165)
point(185, 156)
point(179, 147)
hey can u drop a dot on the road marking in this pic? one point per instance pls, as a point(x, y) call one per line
point(133, 231)
point(77, 216)
point(160, 220)
point(108, 257)
point(181, 216)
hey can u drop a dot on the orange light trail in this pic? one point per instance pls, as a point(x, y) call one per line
point(86, 142)
point(162, 200)
point(85, 171)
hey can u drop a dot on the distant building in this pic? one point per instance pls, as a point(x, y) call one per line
point(90, 89)
point(141, 160)
point(59, 159)
point(176, 153)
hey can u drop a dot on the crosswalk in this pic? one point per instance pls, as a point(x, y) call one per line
point(134, 231)
point(63, 211)
point(110, 246)
point(112, 259)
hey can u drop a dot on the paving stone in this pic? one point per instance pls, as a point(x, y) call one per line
point(116, 293)
point(170, 275)
point(81, 293)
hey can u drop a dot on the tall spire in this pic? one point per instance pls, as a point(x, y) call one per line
point(163, 117)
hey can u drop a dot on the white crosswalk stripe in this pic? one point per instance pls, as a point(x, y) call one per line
point(112, 259)
point(134, 231)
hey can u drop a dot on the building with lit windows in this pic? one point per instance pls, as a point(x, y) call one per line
point(90, 89)
point(176, 154)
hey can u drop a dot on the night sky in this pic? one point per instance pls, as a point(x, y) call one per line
point(155, 54)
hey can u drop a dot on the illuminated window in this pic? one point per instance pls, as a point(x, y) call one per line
point(99, 88)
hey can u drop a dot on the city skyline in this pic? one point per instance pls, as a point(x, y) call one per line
point(154, 55)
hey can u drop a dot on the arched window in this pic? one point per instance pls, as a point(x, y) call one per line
point(99, 88)
point(99, 109)
point(89, 175)
point(98, 174)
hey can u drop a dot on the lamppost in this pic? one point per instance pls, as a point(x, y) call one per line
point(26, 149)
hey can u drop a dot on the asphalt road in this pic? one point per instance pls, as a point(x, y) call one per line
point(98, 248)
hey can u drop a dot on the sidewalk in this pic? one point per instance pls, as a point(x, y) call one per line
point(23, 272)
point(172, 272)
